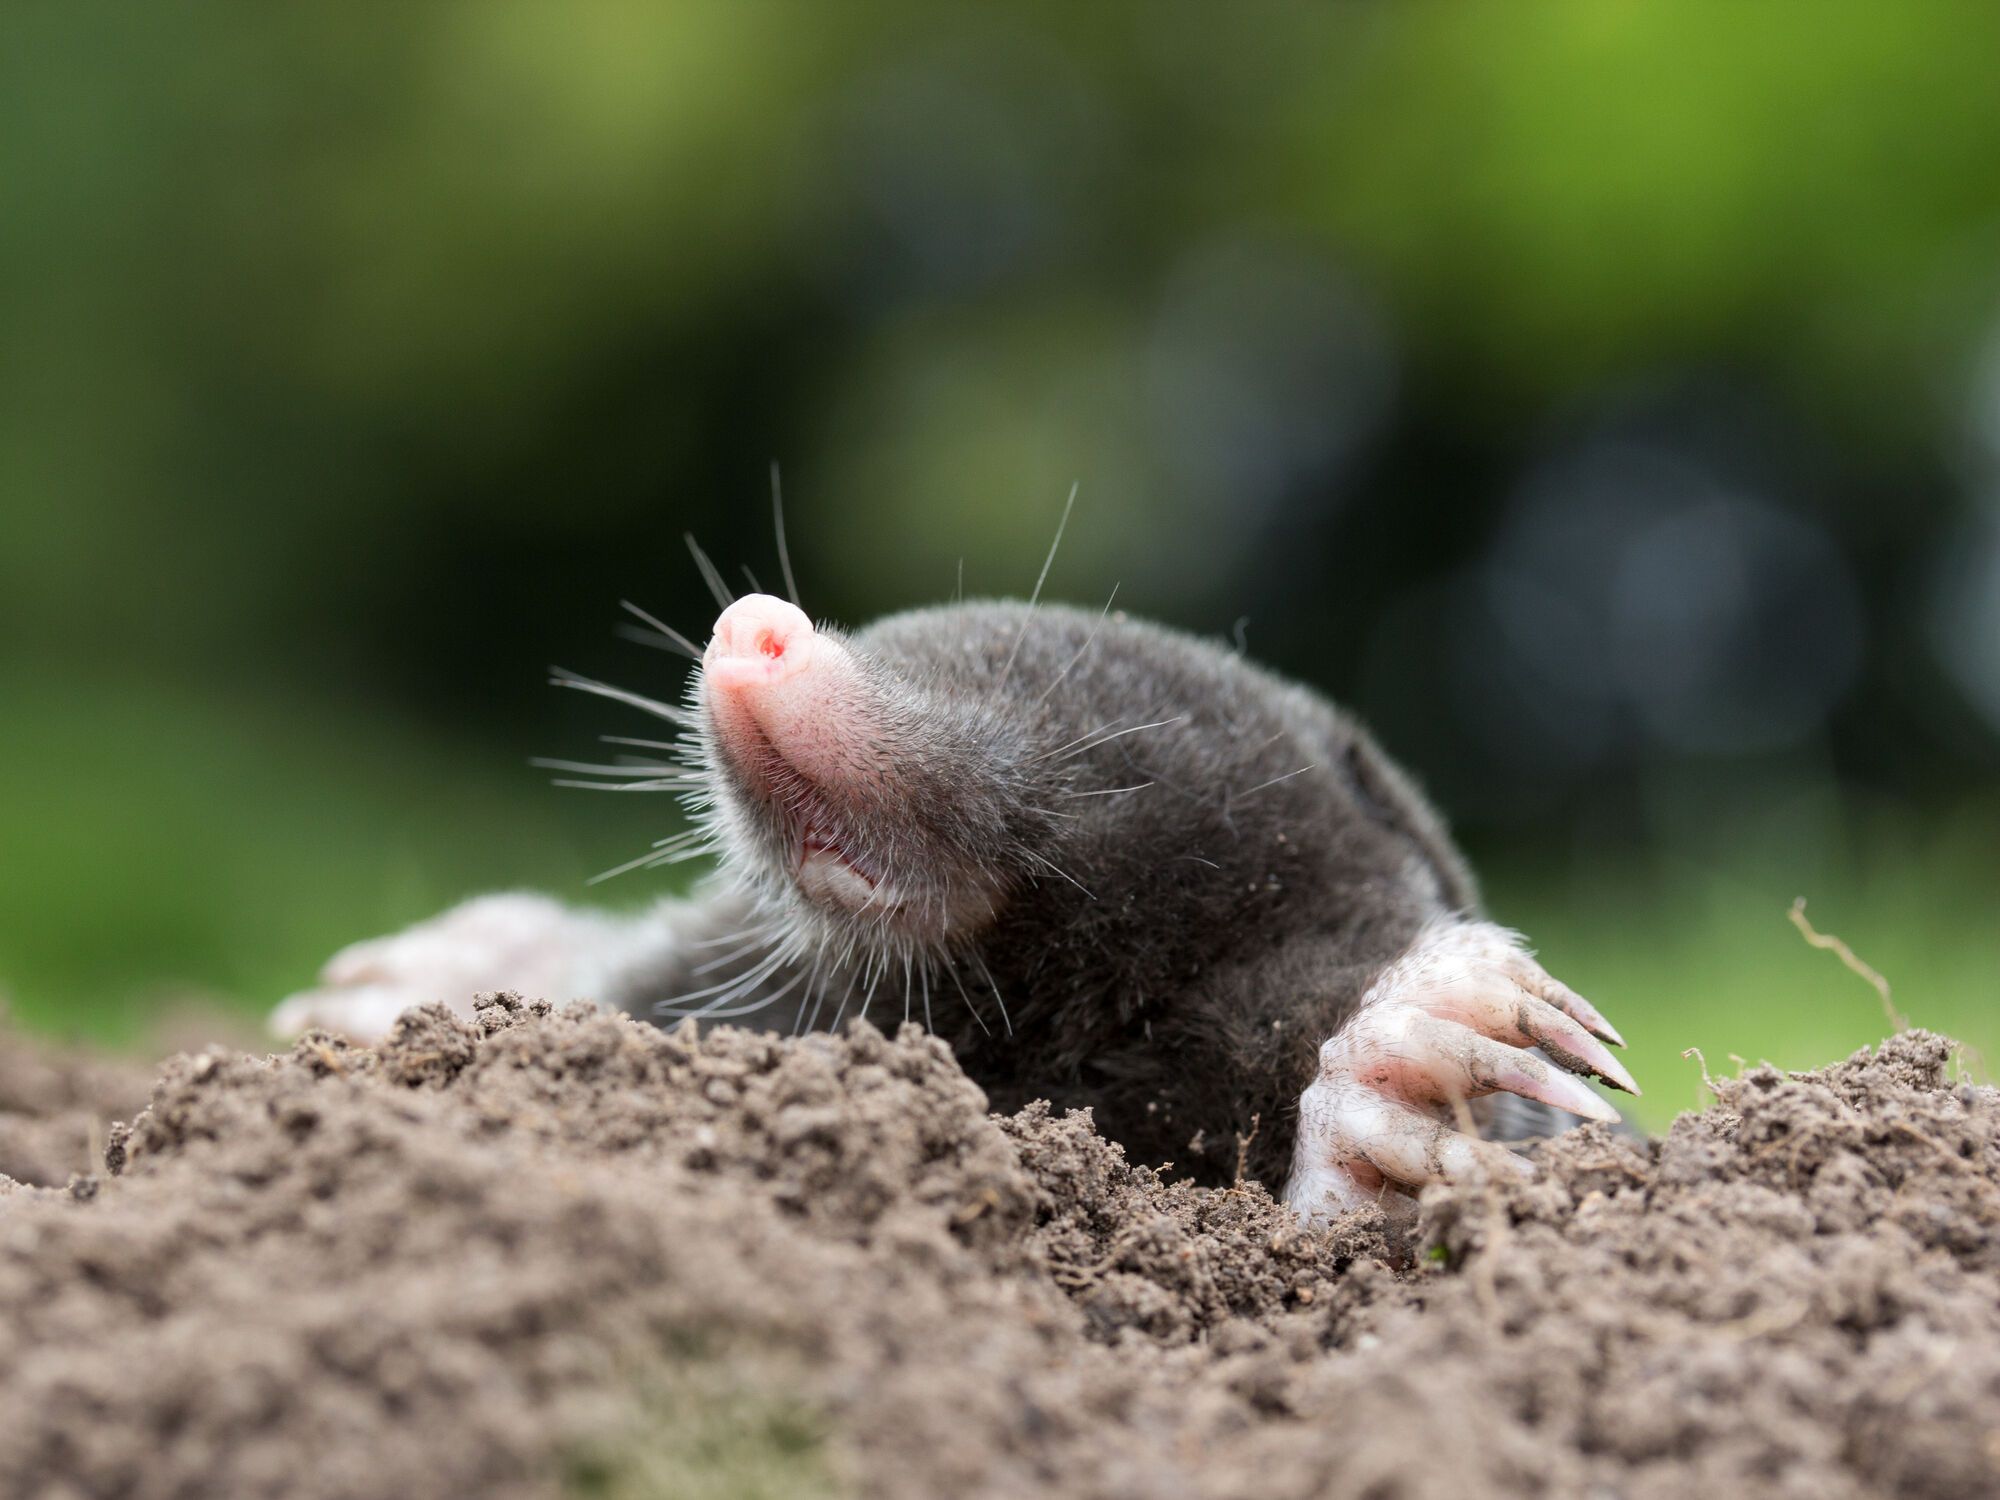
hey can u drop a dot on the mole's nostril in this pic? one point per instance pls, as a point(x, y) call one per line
point(758, 629)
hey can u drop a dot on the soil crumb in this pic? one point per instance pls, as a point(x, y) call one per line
point(57, 1106)
point(562, 1252)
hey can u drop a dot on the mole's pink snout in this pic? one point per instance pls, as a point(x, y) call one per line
point(773, 684)
point(759, 642)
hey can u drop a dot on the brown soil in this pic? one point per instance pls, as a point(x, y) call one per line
point(56, 1107)
point(555, 1252)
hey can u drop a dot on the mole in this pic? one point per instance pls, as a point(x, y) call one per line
point(1111, 864)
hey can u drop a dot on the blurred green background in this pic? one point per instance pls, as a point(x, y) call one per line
point(1604, 400)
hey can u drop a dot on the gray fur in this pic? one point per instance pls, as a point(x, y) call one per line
point(1171, 955)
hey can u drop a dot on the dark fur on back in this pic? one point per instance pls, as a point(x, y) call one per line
point(1226, 859)
point(1268, 862)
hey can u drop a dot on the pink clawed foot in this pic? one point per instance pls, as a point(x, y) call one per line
point(1448, 1021)
point(502, 942)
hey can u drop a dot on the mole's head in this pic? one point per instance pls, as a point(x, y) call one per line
point(860, 790)
point(1048, 786)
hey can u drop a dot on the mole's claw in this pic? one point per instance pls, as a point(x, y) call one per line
point(1505, 950)
point(1477, 974)
point(501, 942)
point(358, 963)
point(1407, 1146)
point(1583, 1010)
point(1450, 1020)
point(1469, 1064)
point(361, 1012)
point(1569, 1045)
point(1568, 1001)
point(1358, 1146)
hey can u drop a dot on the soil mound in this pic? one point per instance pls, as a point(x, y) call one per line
point(564, 1252)
point(56, 1107)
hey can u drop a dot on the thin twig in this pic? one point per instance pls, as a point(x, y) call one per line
point(1706, 1082)
point(1243, 1150)
point(1897, 1020)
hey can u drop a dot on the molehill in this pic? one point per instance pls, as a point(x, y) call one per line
point(548, 1253)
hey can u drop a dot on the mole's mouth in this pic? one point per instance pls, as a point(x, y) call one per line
point(813, 843)
point(825, 874)
point(827, 868)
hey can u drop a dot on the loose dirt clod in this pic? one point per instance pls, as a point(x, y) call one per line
point(566, 1252)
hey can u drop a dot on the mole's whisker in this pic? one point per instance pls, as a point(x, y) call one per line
point(1085, 743)
point(727, 991)
point(715, 963)
point(778, 526)
point(589, 768)
point(709, 576)
point(674, 639)
point(1057, 870)
point(1047, 563)
point(659, 784)
point(998, 999)
point(558, 677)
point(1089, 641)
point(1239, 796)
point(651, 856)
point(970, 1009)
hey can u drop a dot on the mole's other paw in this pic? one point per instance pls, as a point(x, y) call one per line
point(1448, 1021)
point(509, 942)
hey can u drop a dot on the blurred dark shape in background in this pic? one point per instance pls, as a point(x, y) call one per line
point(1606, 402)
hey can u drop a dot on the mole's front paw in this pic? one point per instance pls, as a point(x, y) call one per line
point(514, 942)
point(1446, 1022)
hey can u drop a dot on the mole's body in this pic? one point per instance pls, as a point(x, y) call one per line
point(1114, 865)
